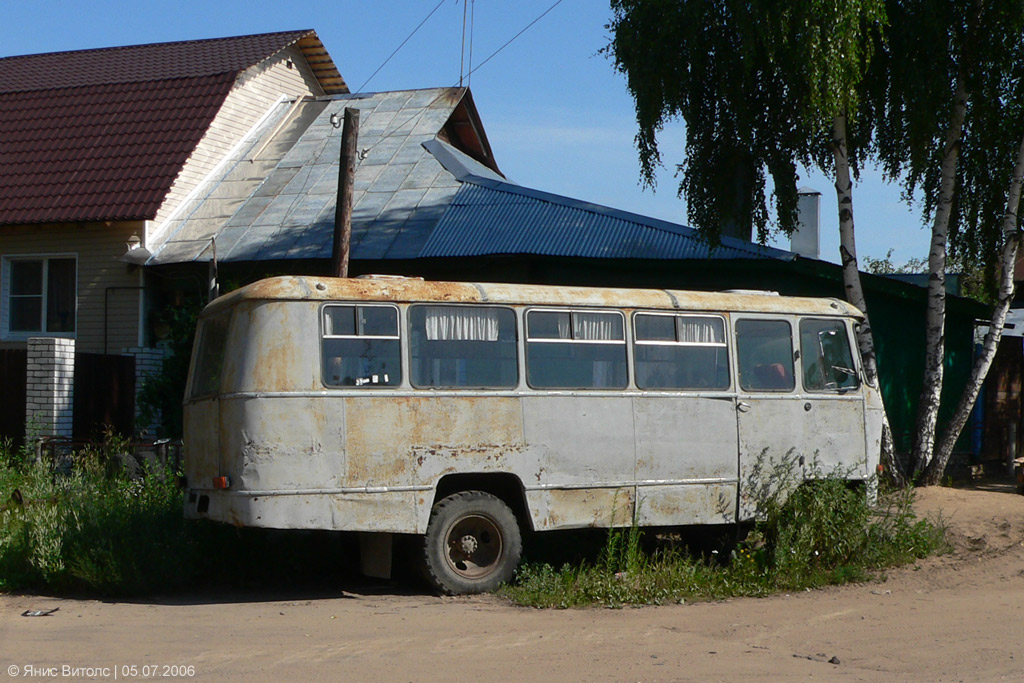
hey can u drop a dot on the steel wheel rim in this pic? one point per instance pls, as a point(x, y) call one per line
point(473, 546)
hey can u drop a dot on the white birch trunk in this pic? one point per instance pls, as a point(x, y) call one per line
point(935, 317)
point(851, 281)
point(1008, 259)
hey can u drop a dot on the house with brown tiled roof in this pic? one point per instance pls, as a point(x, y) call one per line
point(100, 148)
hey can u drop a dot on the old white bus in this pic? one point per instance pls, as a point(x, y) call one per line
point(471, 413)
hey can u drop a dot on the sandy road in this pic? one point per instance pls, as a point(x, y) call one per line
point(953, 618)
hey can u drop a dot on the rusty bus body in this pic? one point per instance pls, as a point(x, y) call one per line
point(457, 411)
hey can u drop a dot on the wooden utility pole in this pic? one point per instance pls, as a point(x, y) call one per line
point(346, 176)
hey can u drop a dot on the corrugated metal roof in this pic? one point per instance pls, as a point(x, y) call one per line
point(489, 217)
point(102, 134)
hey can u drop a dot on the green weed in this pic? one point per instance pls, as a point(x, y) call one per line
point(822, 532)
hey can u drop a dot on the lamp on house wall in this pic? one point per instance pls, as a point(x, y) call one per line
point(137, 255)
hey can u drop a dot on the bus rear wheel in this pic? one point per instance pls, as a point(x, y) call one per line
point(472, 544)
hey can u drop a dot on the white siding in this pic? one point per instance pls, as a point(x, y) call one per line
point(97, 247)
point(255, 90)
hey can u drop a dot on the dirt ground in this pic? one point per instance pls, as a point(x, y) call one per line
point(958, 617)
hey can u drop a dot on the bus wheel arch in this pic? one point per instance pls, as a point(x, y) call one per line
point(472, 545)
point(505, 486)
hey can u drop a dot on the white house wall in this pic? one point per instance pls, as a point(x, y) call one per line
point(254, 92)
point(96, 247)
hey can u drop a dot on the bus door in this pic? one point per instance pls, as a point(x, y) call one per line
point(833, 399)
point(684, 420)
point(798, 409)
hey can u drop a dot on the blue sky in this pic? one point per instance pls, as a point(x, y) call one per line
point(558, 116)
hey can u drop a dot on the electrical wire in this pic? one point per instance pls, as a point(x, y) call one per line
point(462, 52)
point(401, 45)
point(510, 40)
point(420, 113)
point(472, 15)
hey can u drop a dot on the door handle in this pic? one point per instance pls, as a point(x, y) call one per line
point(743, 406)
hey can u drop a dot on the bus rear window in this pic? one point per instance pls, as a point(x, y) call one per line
point(360, 346)
point(213, 337)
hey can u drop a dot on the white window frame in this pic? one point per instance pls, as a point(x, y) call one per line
point(6, 334)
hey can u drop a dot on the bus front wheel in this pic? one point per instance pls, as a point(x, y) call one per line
point(472, 544)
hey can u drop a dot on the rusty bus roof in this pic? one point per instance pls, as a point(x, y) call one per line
point(399, 289)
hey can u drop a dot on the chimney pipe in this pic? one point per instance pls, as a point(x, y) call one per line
point(805, 240)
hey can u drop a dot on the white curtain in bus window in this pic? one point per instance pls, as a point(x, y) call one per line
point(360, 346)
point(680, 352)
point(463, 346)
point(575, 350)
point(765, 349)
point(825, 356)
point(454, 323)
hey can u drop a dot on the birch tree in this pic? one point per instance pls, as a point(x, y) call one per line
point(939, 93)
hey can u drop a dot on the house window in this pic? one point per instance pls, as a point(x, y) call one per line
point(40, 295)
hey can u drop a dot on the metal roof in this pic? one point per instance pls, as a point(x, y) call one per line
point(102, 134)
point(415, 196)
point(287, 212)
point(489, 217)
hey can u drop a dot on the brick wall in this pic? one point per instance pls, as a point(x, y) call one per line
point(50, 383)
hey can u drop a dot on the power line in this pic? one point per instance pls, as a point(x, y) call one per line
point(436, 7)
point(510, 40)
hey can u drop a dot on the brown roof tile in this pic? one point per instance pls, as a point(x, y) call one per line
point(102, 134)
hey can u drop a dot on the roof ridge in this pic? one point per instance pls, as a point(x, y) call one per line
point(144, 63)
point(115, 48)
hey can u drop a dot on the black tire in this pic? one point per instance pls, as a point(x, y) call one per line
point(472, 544)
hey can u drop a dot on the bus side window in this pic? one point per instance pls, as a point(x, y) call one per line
point(765, 349)
point(680, 352)
point(463, 346)
point(826, 358)
point(360, 346)
point(575, 350)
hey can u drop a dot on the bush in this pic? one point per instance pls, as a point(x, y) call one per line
point(822, 532)
point(88, 528)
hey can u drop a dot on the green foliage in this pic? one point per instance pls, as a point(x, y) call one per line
point(161, 394)
point(758, 85)
point(823, 532)
point(977, 280)
point(90, 528)
point(885, 266)
point(909, 98)
point(85, 526)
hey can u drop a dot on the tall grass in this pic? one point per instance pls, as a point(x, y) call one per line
point(824, 532)
point(78, 524)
